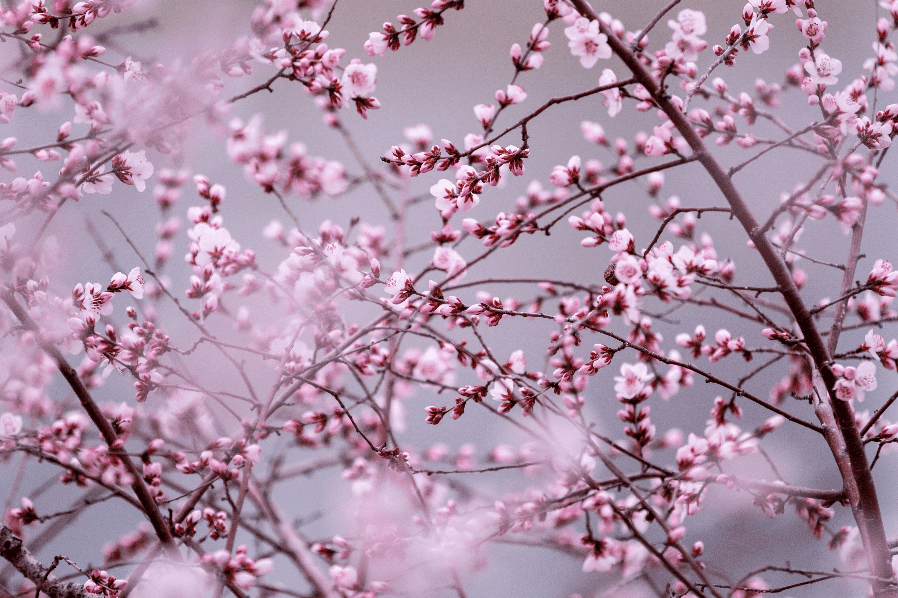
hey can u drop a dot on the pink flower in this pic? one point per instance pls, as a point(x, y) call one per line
point(661, 142)
point(565, 176)
point(98, 182)
point(533, 61)
point(689, 22)
point(621, 240)
point(8, 103)
point(685, 42)
point(627, 270)
point(883, 279)
point(823, 69)
point(214, 244)
point(586, 42)
point(599, 357)
point(359, 79)
point(502, 389)
point(377, 44)
point(612, 97)
point(865, 375)
point(92, 299)
point(756, 35)
point(435, 365)
point(768, 6)
point(513, 94)
point(812, 29)
point(132, 168)
point(396, 282)
point(593, 132)
point(856, 381)
point(49, 83)
point(448, 260)
point(516, 362)
point(446, 196)
point(632, 380)
point(10, 424)
point(345, 577)
point(132, 70)
point(873, 344)
point(484, 113)
point(133, 283)
point(874, 135)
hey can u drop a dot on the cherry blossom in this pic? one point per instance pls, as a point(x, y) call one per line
point(855, 381)
point(823, 69)
point(771, 6)
point(485, 113)
point(359, 80)
point(593, 132)
point(686, 42)
point(377, 44)
point(813, 29)
point(513, 94)
point(132, 168)
point(884, 67)
point(10, 424)
point(134, 283)
point(213, 244)
point(565, 176)
point(883, 279)
point(449, 260)
point(632, 380)
point(628, 270)
point(613, 98)
point(874, 135)
point(8, 103)
point(587, 43)
point(756, 36)
point(396, 282)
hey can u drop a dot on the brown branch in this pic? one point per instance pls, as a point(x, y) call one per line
point(13, 550)
point(786, 490)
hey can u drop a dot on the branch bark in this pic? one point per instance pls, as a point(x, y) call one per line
point(13, 550)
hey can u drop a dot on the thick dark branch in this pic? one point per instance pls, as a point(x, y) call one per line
point(13, 550)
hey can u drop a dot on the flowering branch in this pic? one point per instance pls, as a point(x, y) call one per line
point(116, 446)
point(863, 496)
